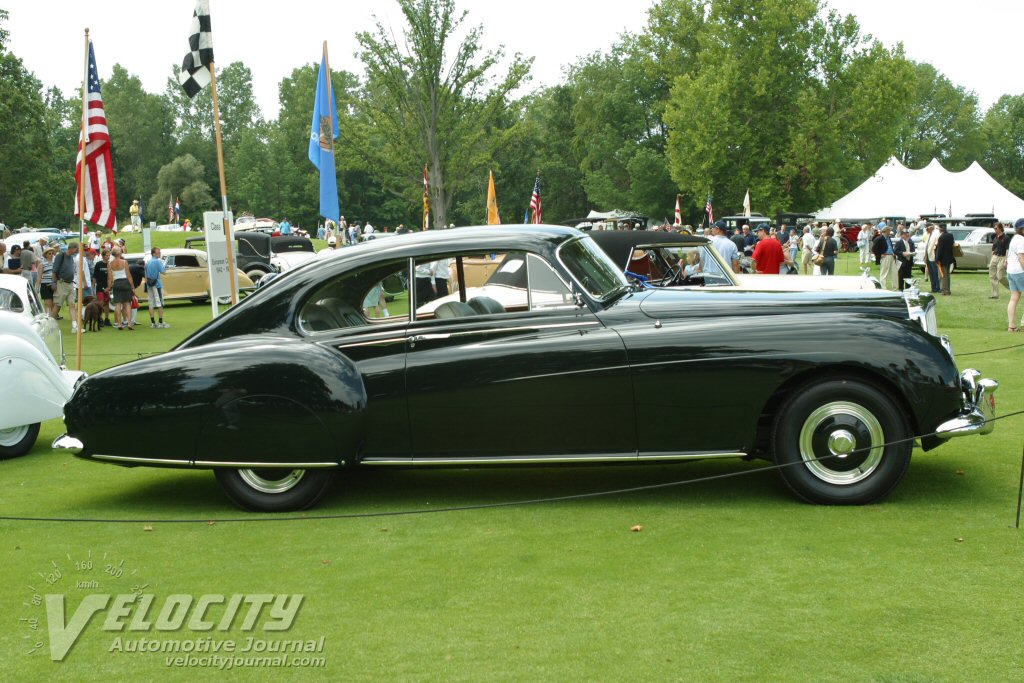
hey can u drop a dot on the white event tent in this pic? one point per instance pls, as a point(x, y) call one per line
point(895, 190)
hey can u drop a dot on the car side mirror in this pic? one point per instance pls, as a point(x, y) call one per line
point(577, 298)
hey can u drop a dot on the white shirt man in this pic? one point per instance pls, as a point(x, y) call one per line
point(864, 244)
point(807, 243)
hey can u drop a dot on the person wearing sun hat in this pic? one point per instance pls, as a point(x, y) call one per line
point(1015, 274)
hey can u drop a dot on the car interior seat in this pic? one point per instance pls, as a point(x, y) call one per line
point(454, 309)
point(346, 314)
point(485, 305)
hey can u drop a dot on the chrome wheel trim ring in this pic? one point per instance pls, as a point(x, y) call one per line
point(286, 482)
point(828, 413)
point(13, 435)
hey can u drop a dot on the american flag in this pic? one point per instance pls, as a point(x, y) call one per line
point(170, 209)
point(709, 211)
point(98, 175)
point(535, 203)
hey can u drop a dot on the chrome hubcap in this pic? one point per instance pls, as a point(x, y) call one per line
point(840, 442)
point(10, 437)
point(269, 480)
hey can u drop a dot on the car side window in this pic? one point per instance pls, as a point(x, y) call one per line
point(9, 301)
point(547, 290)
point(183, 261)
point(469, 284)
point(375, 295)
point(34, 304)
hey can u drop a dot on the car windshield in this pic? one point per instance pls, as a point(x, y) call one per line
point(591, 268)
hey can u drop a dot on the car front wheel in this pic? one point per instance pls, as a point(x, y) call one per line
point(275, 489)
point(834, 441)
point(17, 440)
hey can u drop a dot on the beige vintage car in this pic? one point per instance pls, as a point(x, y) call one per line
point(187, 276)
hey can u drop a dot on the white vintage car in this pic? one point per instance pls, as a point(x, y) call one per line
point(36, 385)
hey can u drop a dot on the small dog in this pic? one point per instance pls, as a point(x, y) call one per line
point(92, 314)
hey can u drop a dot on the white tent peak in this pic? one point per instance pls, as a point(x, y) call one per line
point(895, 190)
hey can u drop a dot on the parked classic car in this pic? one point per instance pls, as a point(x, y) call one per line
point(35, 383)
point(303, 378)
point(666, 259)
point(973, 248)
point(187, 276)
point(17, 297)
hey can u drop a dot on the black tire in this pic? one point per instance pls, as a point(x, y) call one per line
point(18, 440)
point(836, 416)
point(275, 489)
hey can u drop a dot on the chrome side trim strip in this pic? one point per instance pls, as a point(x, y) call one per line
point(540, 459)
point(259, 465)
point(142, 461)
point(693, 456)
point(213, 463)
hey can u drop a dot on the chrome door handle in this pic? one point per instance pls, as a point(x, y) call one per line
point(427, 337)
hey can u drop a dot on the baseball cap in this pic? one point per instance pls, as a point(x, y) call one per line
point(1019, 224)
point(332, 240)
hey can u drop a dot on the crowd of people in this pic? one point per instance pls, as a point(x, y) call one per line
point(98, 271)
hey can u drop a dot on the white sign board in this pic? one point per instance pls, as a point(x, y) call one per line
point(217, 254)
point(147, 241)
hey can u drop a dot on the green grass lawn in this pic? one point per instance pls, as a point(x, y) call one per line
point(731, 580)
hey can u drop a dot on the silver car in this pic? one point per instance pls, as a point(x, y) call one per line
point(973, 248)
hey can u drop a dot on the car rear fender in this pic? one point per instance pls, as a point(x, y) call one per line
point(291, 403)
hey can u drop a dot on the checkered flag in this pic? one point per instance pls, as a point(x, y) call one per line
point(195, 69)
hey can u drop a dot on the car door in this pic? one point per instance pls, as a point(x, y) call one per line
point(372, 339)
point(544, 380)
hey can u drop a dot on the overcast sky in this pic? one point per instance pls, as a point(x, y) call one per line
point(973, 43)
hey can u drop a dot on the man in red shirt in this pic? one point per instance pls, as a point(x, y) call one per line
point(768, 255)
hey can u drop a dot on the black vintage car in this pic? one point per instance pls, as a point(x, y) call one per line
point(557, 359)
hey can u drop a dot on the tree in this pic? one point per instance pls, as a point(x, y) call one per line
point(785, 102)
point(183, 179)
point(1003, 130)
point(194, 126)
point(943, 123)
point(422, 107)
point(25, 152)
point(141, 130)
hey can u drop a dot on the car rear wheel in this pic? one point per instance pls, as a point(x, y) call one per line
point(255, 275)
point(275, 489)
point(830, 440)
point(18, 440)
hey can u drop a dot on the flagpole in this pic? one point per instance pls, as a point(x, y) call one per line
point(330, 98)
point(81, 206)
point(223, 190)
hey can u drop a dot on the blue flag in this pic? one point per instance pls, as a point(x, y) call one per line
point(323, 131)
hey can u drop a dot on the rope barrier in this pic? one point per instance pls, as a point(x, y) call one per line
point(488, 506)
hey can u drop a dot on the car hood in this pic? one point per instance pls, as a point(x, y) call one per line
point(661, 304)
point(797, 283)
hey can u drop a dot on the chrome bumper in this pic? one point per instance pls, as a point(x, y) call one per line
point(979, 407)
point(67, 443)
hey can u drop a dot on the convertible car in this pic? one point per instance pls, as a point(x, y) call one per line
point(187, 276)
point(665, 259)
point(319, 371)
